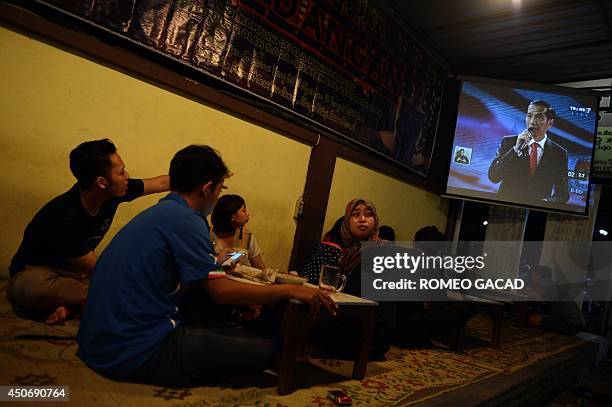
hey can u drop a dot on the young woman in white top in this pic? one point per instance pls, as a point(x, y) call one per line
point(229, 231)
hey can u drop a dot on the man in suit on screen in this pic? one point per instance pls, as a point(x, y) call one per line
point(530, 166)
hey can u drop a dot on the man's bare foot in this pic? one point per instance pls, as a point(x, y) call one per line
point(58, 316)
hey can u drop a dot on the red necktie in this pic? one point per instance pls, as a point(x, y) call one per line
point(533, 158)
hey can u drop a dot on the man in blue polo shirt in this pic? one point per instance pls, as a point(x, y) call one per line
point(132, 328)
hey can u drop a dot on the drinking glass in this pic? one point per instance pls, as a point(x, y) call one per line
point(331, 278)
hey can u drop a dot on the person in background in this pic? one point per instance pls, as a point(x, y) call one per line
point(229, 231)
point(386, 233)
point(562, 317)
point(133, 329)
point(50, 271)
point(421, 321)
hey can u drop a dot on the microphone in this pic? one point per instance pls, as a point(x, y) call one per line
point(524, 142)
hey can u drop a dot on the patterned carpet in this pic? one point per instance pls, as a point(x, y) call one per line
point(34, 354)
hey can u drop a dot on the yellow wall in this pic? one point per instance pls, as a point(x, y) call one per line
point(399, 205)
point(53, 100)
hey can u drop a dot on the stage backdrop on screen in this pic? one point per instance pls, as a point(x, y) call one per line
point(523, 145)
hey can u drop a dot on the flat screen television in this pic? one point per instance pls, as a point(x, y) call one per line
point(523, 145)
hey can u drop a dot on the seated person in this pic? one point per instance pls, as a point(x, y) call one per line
point(229, 231)
point(562, 317)
point(328, 252)
point(341, 247)
point(386, 233)
point(421, 321)
point(330, 249)
point(50, 272)
point(132, 328)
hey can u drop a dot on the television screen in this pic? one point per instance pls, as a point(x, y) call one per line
point(523, 146)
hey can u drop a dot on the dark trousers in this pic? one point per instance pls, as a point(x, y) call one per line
point(192, 356)
point(417, 326)
point(208, 347)
point(340, 337)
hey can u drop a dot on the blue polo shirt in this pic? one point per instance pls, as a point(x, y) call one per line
point(136, 283)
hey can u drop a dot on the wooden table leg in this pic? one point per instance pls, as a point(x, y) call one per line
point(291, 339)
point(367, 325)
point(460, 338)
point(497, 315)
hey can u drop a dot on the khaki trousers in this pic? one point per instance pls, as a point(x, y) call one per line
point(42, 289)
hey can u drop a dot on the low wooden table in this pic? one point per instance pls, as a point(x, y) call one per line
point(297, 323)
point(494, 308)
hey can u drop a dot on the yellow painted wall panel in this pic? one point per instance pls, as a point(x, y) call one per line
point(53, 100)
point(404, 207)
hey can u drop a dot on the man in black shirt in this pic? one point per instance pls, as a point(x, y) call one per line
point(50, 271)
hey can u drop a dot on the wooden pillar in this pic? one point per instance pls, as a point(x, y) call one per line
point(316, 195)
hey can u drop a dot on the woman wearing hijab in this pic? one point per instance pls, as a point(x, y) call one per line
point(341, 247)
